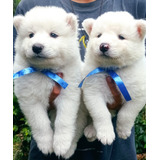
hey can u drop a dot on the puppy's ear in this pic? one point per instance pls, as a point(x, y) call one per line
point(72, 21)
point(141, 28)
point(17, 21)
point(88, 24)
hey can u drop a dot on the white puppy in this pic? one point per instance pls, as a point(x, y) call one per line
point(47, 39)
point(116, 40)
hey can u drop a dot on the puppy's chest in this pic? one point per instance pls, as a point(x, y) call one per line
point(96, 85)
point(133, 79)
point(35, 84)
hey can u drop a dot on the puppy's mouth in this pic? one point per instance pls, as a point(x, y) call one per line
point(108, 55)
point(38, 52)
point(105, 55)
point(40, 56)
point(105, 51)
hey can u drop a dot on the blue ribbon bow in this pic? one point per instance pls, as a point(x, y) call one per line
point(48, 73)
point(115, 77)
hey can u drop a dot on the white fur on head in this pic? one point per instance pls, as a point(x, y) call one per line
point(72, 21)
point(88, 24)
point(17, 21)
point(141, 28)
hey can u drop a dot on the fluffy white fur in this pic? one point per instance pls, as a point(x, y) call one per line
point(128, 54)
point(60, 54)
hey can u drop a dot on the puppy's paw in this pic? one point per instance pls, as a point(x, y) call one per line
point(61, 144)
point(45, 144)
point(106, 135)
point(70, 152)
point(90, 133)
point(123, 132)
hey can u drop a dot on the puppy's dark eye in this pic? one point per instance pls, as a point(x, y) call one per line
point(99, 35)
point(53, 35)
point(31, 35)
point(121, 37)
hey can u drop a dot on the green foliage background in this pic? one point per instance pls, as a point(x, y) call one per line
point(15, 3)
point(140, 132)
point(22, 133)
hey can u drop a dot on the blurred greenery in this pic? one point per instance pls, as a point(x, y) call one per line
point(140, 132)
point(22, 133)
point(15, 3)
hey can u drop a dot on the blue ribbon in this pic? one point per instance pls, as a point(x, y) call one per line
point(48, 73)
point(24, 72)
point(115, 77)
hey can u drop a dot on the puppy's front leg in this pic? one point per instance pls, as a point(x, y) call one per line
point(127, 116)
point(81, 122)
point(40, 125)
point(101, 116)
point(67, 108)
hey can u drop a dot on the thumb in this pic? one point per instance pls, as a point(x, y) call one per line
point(55, 91)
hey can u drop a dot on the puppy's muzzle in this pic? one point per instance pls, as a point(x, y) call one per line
point(104, 47)
point(37, 48)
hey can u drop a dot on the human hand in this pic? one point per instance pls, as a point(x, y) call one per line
point(116, 95)
point(55, 92)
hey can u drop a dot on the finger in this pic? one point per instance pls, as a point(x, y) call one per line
point(112, 86)
point(55, 92)
point(57, 88)
point(114, 106)
point(116, 95)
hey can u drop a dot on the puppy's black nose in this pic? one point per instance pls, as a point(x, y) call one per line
point(104, 47)
point(37, 48)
